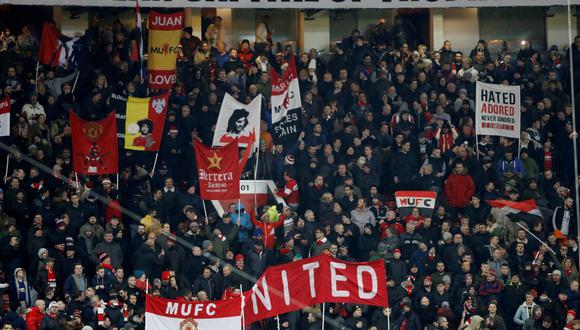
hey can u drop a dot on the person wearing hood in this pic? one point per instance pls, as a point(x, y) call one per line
point(22, 294)
point(408, 319)
point(535, 320)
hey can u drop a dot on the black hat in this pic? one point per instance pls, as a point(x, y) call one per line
point(188, 29)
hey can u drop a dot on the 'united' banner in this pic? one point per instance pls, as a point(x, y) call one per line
point(237, 120)
point(94, 145)
point(144, 120)
point(218, 171)
point(286, 104)
point(497, 110)
point(166, 314)
point(5, 116)
point(314, 281)
point(164, 34)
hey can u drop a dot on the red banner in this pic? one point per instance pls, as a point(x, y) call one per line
point(94, 145)
point(49, 50)
point(218, 171)
point(314, 281)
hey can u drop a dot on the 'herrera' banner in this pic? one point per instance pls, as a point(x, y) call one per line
point(278, 4)
point(286, 104)
point(423, 200)
point(166, 314)
point(314, 281)
point(218, 171)
point(164, 34)
point(145, 118)
point(497, 110)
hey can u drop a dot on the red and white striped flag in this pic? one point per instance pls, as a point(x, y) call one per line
point(166, 314)
point(526, 211)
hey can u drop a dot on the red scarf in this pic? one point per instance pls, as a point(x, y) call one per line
point(51, 276)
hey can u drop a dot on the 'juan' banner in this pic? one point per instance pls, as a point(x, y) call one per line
point(164, 34)
point(314, 281)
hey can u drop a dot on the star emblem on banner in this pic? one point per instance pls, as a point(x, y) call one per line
point(214, 162)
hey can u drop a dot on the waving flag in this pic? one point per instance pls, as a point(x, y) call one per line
point(94, 145)
point(237, 121)
point(145, 119)
point(526, 211)
point(57, 49)
point(286, 104)
point(218, 171)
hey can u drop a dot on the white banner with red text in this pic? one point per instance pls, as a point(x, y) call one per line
point(167, 314)
point(497, 110)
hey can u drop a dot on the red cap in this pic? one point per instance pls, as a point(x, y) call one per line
point(240, 257)
point(165, 276)
point(572, 312)
point(396, 251)
point(427, 278)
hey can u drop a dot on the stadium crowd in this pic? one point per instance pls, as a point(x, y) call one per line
point(382, 113)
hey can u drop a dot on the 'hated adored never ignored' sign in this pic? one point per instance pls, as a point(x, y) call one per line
point(497, 110)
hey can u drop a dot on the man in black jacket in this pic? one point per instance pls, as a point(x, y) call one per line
point(205, 283)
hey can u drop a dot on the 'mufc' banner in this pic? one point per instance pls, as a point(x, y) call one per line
point(286, 104)
point(237, 121)
point(166, 314)
point(218, 171)
point(423, 200)
point(144, 120)
point(278, 4)
point(164, 34)
point(314, 281)
point(497, 110)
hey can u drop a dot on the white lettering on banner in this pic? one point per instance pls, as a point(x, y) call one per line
point(264, 297)
point(374, 282)
point(310, 268)
point(286, 288)
point(161, 79)
point(162, 20)
point(334, 278)
point(184, 310)
point(279, 4)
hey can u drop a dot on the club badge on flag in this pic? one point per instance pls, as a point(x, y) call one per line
point(144, 122)
point(286, 104)
point(164, 33)
point(94, 145)
point(218, 171)
point(237, 121)
point(166, 314)
point(5, 116)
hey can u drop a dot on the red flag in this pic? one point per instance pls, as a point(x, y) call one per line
point(94, 145)
point(50, 48)
point(218, 171)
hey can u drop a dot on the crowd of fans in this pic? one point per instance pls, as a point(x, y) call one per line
point(381, 114)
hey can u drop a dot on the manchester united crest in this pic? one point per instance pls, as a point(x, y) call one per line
point(93, 131)
point(188, 324)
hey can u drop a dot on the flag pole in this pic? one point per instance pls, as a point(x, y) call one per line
point(573, 103)
point(147, 286)
point(255, 177)
point(36, 77)
point(154, 164)
point(204, 209)
point(476, 146)
point(536, 237)
point(7, 165)
point(75, 83)
point(78, 187)
point(278, 322)
point(242, 311)
point(323, 314)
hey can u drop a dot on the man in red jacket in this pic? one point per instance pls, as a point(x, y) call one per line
point(35, 315)
point(459, 188)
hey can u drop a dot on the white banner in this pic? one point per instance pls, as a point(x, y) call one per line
point(286, 104)
point(497, 110)
point(279, 4)
point(237, 120)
